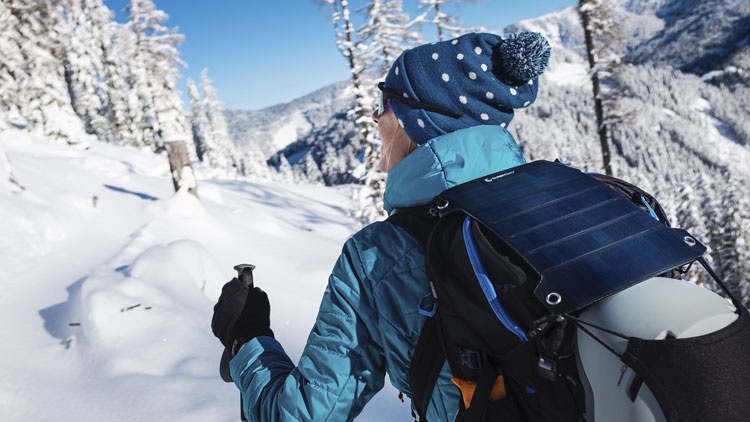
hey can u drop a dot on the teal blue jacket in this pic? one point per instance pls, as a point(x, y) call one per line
point(368, 323)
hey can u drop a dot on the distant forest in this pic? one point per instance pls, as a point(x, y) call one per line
point(670, 113)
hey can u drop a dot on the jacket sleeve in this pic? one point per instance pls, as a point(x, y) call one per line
point(341, 367)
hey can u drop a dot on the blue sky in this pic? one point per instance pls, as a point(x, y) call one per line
point(260, 53)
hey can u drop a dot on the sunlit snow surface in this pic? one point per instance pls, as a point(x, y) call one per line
point(108, 281)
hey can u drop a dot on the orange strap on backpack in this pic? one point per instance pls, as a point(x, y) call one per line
point(468, 387)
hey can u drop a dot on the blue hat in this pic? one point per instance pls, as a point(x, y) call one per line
point(480, 76)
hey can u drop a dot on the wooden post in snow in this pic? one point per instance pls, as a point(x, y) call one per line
point(179, 165)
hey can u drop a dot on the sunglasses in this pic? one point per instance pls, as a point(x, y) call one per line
point(382, 104)
point(386, 95)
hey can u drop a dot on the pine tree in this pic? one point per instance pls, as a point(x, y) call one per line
point(732, 238)
point(121, 107)
point(102, 24)
point(254, 166)
point(220, 151)
point(358, 56)
point(311, 170)
point(12, 68)
point(446, 24)
point(42, 98)
point(359, 61)
point(137, 29)
point(387, 32)
point(155, 69)
point(84, 67)
point(285, 174)
point(199, 121)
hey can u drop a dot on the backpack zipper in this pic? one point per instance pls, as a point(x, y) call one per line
point(486, 284)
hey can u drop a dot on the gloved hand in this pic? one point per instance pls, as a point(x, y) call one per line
point(240, 315)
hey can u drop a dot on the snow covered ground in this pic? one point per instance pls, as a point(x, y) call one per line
point(108, 280)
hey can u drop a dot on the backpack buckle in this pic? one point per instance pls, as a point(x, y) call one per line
point(472, 359)
point(547, 368)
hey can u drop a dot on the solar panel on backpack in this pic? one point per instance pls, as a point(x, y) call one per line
point(583, 239)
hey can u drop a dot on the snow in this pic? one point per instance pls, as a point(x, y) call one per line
point(109, 280)
point(297, 125)
point(575, 74)
point(733, 153)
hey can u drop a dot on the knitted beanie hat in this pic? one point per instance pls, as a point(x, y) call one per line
point(480, 76)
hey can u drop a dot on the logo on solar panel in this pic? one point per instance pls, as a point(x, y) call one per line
point(499, 176)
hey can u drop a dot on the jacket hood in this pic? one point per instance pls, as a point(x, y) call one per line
point(447, 161)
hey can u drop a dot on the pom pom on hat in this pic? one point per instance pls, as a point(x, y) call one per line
point(481, 76)
point(525, 55)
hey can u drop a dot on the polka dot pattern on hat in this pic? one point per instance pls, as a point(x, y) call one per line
point(471, 75)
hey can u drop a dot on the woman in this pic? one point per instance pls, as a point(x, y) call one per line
point(442, 117)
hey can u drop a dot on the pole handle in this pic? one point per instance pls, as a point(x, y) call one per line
point(245, 276)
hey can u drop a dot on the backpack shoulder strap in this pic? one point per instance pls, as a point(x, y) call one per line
point(424, 370)
point(417, 221)
point(429, 355)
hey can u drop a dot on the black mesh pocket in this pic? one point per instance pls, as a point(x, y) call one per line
point(697, 379)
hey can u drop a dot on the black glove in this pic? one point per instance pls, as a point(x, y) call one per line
point(240, 315)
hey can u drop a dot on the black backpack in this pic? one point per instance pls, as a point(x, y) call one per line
point(512, 259)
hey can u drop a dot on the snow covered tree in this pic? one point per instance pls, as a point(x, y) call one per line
point(220, 151)
point(446, 24)
point(730, 105)
point(42, 96)
point(154, 73)
point(731, 238)
point(198, 119)
point(135, 47)
point(121, 105)
point(352, 47)
point(87, 22)
point(253, 164)
point(355, 51)
point(311, 170)
point(12, 68)
point(387, 32)
point(285, 174)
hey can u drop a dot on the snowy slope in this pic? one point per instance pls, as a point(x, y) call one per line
point(275, 127)
point(109, 280)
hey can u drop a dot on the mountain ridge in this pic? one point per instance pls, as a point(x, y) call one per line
point(682, 135)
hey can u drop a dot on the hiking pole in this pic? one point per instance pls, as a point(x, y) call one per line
point(245, 276)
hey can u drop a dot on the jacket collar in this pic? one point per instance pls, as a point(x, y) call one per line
point(447, 161)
